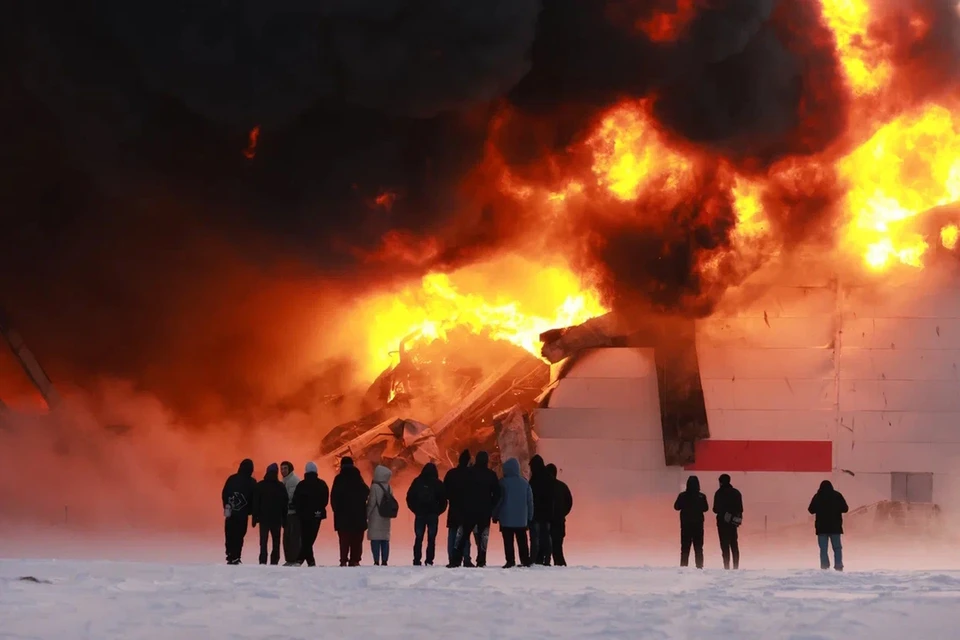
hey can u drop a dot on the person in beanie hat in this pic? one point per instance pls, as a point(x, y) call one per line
point(349, 502)
point(270, 511)
point(291, 529)
point(310, 500)
point(728, 505)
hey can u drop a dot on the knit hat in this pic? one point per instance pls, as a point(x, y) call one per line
point(272, 468)
point(311, 467)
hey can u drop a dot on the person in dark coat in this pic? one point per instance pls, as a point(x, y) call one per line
point(237, 498)
point(310, 500)
point(562, 505)
point(455, 483)
point(514, 511)
point(829, 505)
point(427, 499)
point(542, 486)
point(348, 499)
point(482, 495)
point(270, 504)
point(692, 505)
point(728, 505)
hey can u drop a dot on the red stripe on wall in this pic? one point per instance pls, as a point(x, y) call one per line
point(762, 455)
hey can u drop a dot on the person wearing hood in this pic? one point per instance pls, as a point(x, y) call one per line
point(728, 505)
point(291, 529)
point(482, 495)
point(378, 524)
point(542, 486)
point(691, 504)
point(562, 506)
point(515, 510)
point(348, 499)
point(427, 499)
point(455, 483)
point(237, 498)
point(310, 500)
point(270, 511)
point(829, 505)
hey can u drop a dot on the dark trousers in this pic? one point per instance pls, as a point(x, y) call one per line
point(520, 535)
point(728, 544)
point(540, 542)
point(481, 534)
point(269, 532)
point(453, 534)
point(234, 530)
point(291, 539)
point(691, 536)
point(309, 530)
point(351, 547)
point(558, 531)
point(428, 525)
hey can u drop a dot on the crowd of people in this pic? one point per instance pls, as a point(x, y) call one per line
point(827, 506)
point(289, 511)
point(531, 514)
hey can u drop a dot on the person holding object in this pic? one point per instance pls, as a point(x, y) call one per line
point(829, 505)
point(692, 505)
point(728, 505)
point(514, 511)
point(291, 530)
point(237, 498)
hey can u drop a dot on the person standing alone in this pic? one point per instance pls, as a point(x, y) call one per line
point(692, 505)
point(237, 498)
point(291, 530)
point(728, 505)
point(829, 505)
point(310, 500)
point(427, 499)
point(269, 512)
point(348, 498)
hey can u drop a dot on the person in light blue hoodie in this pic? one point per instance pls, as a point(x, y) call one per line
point(514, 512)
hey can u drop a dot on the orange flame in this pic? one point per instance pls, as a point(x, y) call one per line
point(251, 151)
point(666, 26)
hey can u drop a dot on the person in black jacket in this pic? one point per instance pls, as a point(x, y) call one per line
point(270, 511)
point(237, 498)
point(728, 505)
point(427, 499)
point(542, 486)
point(829, 505)
point(482, 495)
point(692, 505)
point(562, 505)
point(455, 484)
point(310, 500)
point(348, 499)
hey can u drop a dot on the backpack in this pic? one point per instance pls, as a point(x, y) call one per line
point(388, 506)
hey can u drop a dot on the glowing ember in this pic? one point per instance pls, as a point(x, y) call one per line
point(666, 26)
point(251, 151)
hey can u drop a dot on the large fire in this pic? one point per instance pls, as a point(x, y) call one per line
point(899, 159)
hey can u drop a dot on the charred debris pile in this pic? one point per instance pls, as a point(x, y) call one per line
point(435, 402)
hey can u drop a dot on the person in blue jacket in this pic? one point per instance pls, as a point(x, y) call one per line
point(514, 512)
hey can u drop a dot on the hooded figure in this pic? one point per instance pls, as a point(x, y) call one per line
point(692, 505)
point(310, 500)
point(728, 505)
point(237, 498)
point(455, 483)
point(270, 512)
point(348, 498)
point(562, 506)
point(291, 529)
point(427, 499)
point(542, 486)
point(378, 526)
point(515, 511)
point(829, 505)
point(482, 495)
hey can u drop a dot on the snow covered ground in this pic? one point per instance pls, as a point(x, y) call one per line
point(103, 600)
